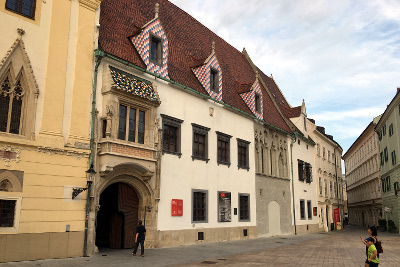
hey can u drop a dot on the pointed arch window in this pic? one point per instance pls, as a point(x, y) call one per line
point(11, 100)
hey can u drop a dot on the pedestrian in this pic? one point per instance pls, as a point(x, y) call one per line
point(139, 239)
point(372, 257)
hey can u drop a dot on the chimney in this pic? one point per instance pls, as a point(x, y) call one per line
point(321, 129)
point(398, 89)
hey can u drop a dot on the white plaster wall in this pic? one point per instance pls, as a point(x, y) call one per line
point(303, 190)
point(180, 176)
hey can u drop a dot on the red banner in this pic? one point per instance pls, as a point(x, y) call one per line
point(336, 216)
point(177, 207)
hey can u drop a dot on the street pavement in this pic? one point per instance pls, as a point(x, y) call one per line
point(337, 248)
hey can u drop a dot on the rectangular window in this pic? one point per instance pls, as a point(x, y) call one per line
point(200, 142)
point(320, 186)
point(214, 80)
point(257, 103)
point(244, 207)
point(318, 150)
point(383, 185)
point(171, 135)
point(300, 169)
point(391, 129)
point(326, 188)
point(309, 209)
point(323, 152)
point(388, 185)
point(199, 206)
point(131, 124)
point(330, 189)
point(386, 154)
point(7, 212)
point(394, 157)
point(302, 210)
point(155, 50)
point(329, 156)
point(308, 171)
point(23, 7)
point(243, 154)
point(384, 130)
point(382, 159)
point(223, 148)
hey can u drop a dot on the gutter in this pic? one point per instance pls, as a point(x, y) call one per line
point(107, 55)
point(291, 161)
point(98, 55)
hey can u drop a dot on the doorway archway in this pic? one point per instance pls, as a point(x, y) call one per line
point(117, 217)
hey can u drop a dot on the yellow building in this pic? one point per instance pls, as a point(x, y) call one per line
point(46, 61)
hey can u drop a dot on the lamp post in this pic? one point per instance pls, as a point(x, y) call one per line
point(90, 176)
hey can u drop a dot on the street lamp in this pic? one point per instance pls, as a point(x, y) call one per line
point(89, 176)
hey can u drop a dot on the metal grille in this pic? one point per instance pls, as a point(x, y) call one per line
point(7, 212)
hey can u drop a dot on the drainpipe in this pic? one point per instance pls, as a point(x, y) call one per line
point(291, 160)
point(98, 55)
point(337, 185)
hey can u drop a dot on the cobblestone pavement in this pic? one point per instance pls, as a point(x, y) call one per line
point(337, 248)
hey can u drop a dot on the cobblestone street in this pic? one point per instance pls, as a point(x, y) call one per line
point(338, 248)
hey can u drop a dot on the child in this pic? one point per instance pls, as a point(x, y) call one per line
point(372, 259)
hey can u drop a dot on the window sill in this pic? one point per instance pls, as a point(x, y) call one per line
point(179, 154)
point(243, 167)
point(224, 163)
point(244, 220)
point(198, 158)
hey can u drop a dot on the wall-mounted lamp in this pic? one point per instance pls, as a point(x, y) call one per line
point(89, 176)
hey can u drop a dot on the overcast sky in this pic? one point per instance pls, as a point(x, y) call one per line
point(342, 57)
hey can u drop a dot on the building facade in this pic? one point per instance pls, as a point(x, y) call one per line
point(45, 88)
point(328, 177)
point(388, 129)
point(362, 163)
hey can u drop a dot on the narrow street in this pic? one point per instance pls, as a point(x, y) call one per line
point(338, 248)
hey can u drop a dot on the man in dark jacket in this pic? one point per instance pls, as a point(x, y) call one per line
point(140, 237)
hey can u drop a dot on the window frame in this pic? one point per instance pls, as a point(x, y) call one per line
point(200, 130)
point(309, 210)
point(205, 206)
point(243, 144)
point(248, 219)
point(159, 49)
point(127, 120)
point(223, 138)
point(386, 154)
point(214, 80)
point(302, 209)
point(393, 157)
point(17, 212)
point(390, 129)
point(19, 10)
point(257, 103)
point(172, 122)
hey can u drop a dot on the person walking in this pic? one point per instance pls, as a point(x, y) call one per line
point(139, 239)
point(372, 257)
point(372, 235)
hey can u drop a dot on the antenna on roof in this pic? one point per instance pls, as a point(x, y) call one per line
point(157, 9)
point(213, 47)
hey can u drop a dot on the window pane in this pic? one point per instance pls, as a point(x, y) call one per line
point(244, 207)
point(15, 116)
point(27, 7)
point(4, 104)
point(7, 211)
point(302, 210)
point(12, 4)
point(141, 127)
point(199, 206)
point(132, 125)
point(122, 122)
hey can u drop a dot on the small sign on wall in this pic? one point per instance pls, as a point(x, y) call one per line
point(315, 211)
point(177, 207)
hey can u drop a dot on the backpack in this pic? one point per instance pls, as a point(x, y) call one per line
point(378, 245)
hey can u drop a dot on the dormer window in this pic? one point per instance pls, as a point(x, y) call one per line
point(258, 103)
point(214, 80)
point(155, 50)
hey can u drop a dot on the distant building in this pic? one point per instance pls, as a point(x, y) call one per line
point(363, 178)
point(388, 129)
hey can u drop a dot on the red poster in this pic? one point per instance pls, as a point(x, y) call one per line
point(177, 207)
point(336, 216)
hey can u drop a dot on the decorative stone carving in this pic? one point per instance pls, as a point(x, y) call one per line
point(56, 151)
point(9, 153)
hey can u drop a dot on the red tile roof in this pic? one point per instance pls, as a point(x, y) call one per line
point(291, 112)
point(189, 42)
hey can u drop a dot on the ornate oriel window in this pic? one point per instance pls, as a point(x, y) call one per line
point(11, 96)
point(131, 124)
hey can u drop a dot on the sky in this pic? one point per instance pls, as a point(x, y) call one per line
point(342, 57)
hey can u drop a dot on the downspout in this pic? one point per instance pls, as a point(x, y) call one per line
point(337, 184)
point(98, 55)
point(291, 160)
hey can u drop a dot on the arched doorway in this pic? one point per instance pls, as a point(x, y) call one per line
point(274, 218)
point(117, 217)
